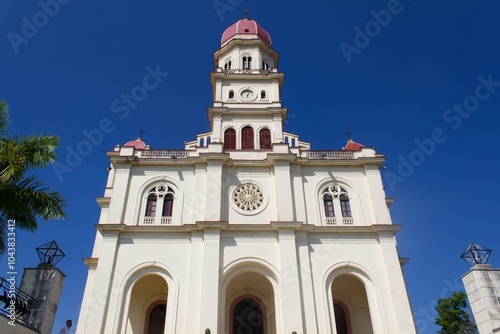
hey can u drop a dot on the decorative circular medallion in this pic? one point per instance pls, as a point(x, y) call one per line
point(248, 197)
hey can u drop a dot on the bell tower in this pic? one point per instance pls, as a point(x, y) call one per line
point(246, 86)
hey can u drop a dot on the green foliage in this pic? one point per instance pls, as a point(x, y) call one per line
point(452, 316)
point(23, 198)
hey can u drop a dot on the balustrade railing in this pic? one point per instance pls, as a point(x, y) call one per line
point(345, 221)
point(329, 155)
point(174, 154)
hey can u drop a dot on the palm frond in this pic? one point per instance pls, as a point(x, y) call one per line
point(27, 200)
point(4, 117)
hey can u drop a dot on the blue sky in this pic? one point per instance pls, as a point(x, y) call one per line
point(421, 85)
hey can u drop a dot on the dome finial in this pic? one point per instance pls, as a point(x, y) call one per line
point(348, 134)
point(141, 132)
point(245, 14)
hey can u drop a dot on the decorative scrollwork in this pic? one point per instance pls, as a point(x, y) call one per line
point(248, 197)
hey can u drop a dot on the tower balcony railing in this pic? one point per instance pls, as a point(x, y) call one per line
point(329, 155)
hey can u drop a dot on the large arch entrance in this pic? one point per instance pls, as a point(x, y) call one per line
point(250, 305)
point(148, 306)
point(350, 306)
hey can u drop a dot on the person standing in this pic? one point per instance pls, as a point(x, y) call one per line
point(65, 329)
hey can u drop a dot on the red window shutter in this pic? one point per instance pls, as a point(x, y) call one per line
point(230, 139)
point(247, 138)
point(265, 139)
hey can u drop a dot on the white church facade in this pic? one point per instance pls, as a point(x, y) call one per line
point(245, 230)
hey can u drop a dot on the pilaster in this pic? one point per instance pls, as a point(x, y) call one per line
point(210, 290)
point(283, 190)
point(120, 193)
point(290, 288)
point(99, 320)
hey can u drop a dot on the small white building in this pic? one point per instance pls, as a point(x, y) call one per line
point(245, 230)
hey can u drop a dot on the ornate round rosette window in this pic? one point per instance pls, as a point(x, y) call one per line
point(248, 197)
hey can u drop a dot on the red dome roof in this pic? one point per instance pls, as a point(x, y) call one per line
point(245, 26)
point(353, 146)
point(138, 144)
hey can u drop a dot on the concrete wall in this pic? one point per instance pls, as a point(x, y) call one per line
point(482, 284)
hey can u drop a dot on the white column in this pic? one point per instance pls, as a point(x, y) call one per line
point(298, 193)
point(120, 191)
point(189, 320)
point(398, 317)
point(377, 195)
point(197, 202)
point(278, 129)
point(100, 295)
point(283, 191)
point(210, 291)
point(213, 204)
point(86, 308)
point(291, 301)
point(216, 128)
point(310, 316)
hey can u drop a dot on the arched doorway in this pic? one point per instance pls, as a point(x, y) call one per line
point(342, 322)
point(350, 305)
point(249, 304)
point(147, 308)
point(156, 319)
point(247, 317)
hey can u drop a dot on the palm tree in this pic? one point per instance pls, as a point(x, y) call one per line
point(23, 198)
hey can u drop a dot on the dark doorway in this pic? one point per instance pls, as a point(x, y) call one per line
point(341, 321)
point(248, 318)
point(156, 324)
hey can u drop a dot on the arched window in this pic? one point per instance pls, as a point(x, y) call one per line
point(293, 142)
point(202, 142)
point(262, 94)
point(209, 140)
point(247, 138)
point(156, 323)
point(248, 317)
point(345, 206)
point(168, 205)
point(265, 139)
point(328, 204)
point(227, 65)
point(230, 139)
point(286, 140)
point(231, 94)
point(265, 65)
point(159, 205)
point(151, 206)
point(336, 199)
point(247, 63)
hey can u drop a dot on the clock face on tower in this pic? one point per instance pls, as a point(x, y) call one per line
point(247, 94)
